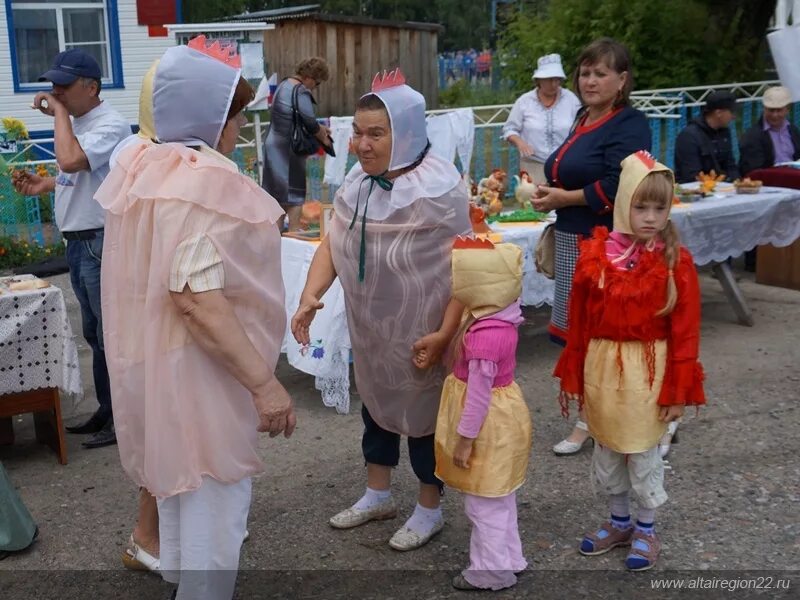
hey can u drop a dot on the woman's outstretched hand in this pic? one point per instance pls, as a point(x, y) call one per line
point(302, 318)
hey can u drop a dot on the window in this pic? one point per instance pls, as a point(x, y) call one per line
point(41, 29)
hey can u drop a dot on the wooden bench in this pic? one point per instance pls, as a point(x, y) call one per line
point(45, 404)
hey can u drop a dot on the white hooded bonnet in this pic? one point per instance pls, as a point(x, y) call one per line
point(406, 109)
point(192, 92)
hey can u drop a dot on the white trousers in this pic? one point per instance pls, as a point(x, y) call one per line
point(201, 533)
point(642, 473)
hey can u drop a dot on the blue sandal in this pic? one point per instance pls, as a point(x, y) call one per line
point(596, 543)
point(644, 551)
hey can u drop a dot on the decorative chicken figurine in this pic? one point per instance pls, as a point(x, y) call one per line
point(495, 203)
point(524, 190)
point(496, 182)
point(477, 217)
point(310, 213)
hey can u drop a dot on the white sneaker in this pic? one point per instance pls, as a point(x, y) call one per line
point(405, 539)
point(353, 517)
point(565, 447)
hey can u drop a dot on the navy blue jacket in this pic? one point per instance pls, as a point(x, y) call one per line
point(702, 148)
point(756, 150)
point(589, 159)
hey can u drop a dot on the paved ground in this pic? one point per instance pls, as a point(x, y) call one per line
point(734, 485)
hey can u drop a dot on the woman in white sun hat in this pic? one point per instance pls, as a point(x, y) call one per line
point(540, 119)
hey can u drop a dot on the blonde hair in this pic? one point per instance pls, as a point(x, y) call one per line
point(658, 186)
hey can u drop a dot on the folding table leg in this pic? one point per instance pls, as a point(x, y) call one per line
point(733, 293)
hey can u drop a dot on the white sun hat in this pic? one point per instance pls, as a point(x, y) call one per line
point(777, 97)
point(548, 66)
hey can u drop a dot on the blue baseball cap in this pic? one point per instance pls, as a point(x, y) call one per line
point(71, 64)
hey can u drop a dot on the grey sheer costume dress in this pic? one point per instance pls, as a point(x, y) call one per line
point(285, 171)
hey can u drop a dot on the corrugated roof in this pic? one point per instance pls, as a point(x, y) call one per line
point(312, 11)
point(276, 14)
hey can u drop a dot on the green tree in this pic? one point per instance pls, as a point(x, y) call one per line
point(675, 43)
point(205, 11)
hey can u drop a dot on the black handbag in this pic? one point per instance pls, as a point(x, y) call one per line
point(302, 142)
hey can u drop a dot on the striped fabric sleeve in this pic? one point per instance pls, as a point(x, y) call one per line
point(196, 263)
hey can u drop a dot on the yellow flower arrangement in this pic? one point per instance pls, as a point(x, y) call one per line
point(15, 129)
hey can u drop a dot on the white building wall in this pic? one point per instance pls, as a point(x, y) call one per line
point(138, 50)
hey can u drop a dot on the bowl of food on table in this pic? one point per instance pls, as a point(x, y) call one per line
point(747, 186)
point(689, 193)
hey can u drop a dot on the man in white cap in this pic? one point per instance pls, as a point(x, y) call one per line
point(541, 119)
point(773, 139)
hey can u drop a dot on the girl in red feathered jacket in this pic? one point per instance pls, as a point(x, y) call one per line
point(632, 353)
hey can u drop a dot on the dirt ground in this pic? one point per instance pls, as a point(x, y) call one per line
point(733, 518)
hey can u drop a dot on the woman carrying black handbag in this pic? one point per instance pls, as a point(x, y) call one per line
point(285, 169)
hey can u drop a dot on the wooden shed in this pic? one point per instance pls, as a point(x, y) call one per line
point(356, 48)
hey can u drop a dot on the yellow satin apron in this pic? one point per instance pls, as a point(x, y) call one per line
point(500, 453)
point(622, 407)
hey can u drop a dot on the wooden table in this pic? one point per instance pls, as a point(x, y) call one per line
point(38, 357)
point(779, 266)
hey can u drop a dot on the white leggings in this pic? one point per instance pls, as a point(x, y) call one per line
point(201, 533)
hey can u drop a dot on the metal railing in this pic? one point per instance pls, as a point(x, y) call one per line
point(668, 111)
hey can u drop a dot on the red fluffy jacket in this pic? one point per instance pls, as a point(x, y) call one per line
point(615, 304)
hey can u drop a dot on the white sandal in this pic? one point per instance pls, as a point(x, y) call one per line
point(669, 438)
point(565, 447)
point(137, 558)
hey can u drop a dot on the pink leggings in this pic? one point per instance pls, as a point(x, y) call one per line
point(495, 550)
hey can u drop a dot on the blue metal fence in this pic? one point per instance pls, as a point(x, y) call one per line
point(22, 217)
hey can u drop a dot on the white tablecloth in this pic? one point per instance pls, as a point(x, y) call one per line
point(536, 288)
point(728, 225)
point(37, 348)
point(328, 355)
point(713, 229)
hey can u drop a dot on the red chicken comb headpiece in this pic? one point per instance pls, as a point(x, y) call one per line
point(383, 81)
point(647, 158)
point(471, 243)
point(225, 54)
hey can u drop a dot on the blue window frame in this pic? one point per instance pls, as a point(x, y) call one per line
point(39, 29)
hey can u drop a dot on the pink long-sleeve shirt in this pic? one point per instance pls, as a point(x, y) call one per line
point(488, 361)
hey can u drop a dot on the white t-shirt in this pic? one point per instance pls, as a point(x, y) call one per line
point(98, 132)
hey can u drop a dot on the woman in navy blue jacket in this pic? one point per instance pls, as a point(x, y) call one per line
point(583, 174)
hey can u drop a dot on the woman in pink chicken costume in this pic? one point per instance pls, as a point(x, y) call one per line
point(195, 317)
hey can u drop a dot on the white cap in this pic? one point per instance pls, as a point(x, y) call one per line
point(548, 66)
point(777, 97)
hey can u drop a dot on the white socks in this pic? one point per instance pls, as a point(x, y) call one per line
point(372, 498)
point(620, 505)
point(423, 520)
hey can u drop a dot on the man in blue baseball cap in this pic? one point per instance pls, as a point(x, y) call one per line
point(86, 131)
point(70, 65)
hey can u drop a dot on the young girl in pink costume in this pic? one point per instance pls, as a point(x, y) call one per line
point(483, 431)
point(631, 358)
